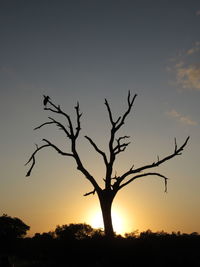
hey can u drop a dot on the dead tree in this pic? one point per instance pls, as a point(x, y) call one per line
point(113, 183)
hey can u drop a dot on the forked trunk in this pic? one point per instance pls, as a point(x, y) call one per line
point(106, 199)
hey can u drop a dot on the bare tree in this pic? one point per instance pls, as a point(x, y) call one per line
point(113, 183)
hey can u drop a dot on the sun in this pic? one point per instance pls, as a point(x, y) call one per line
point(97, 221)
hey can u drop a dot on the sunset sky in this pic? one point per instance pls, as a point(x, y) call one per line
point(86, 51)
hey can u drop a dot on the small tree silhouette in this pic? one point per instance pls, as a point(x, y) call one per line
point(12, 228)
point(113, 183)
point(74, 231)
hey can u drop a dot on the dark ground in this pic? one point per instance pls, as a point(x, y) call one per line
point(149, 249)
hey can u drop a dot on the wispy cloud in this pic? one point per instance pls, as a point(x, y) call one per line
point(194, 49)
point(189, 77)
point(187, 68)
point(173, 113)
point(181, 118)
point(187, 120)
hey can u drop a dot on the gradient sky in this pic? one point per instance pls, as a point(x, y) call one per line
point(86, 51)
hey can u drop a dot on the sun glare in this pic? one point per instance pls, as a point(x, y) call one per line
point(97, 221)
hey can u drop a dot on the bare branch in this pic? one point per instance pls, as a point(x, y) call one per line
point(40, 126)
point(97, 149)
point(62, 127)
point(175, 144)
point(58, 110)
point(72, 134)
point(132, 167)
point(120, 120)
point(90, 193)
point(123, 137)
point(109, 112)
point(130, 104)
point(58, 149)
point(116, 125)
point(53, 121)
point(115, 177)
point(50, 109)
point(36, 146)
point(176, 152)
point(129, 96)
point(49, 144)
point(143, 175)
point(121, 147)
point(78, 115)
point(32, 158)
point(81, 168)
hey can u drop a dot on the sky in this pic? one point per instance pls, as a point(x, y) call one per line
point(86, 51)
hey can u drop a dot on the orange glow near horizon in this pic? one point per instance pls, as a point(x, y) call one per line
point(96, 221)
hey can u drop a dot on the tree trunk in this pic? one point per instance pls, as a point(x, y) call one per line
point(106, 199)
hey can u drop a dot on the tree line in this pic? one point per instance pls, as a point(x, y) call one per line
point(80, 244)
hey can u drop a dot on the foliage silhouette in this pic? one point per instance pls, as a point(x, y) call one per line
point(139, 249)
point(12, 228)
point(74, 231)
point(116, 145)
point(80, 245)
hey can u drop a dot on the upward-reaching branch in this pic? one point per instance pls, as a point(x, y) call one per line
point(78, 116)
point(120, 121)
point(116, 125)
point(109, 112)
point(57, 109)
point(97, 149)
point(121, 147)
point(130, 104)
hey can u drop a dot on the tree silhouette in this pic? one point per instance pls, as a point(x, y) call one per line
point(74, 231)
point(12, 228)
point(113, 183)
